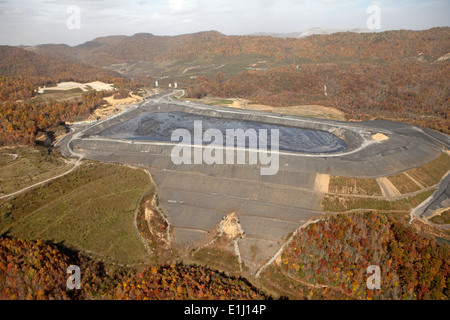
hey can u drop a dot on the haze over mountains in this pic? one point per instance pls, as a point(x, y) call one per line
point(145, 53)
point(311, 32)
point(391, 75)
point(397, 75)
point(16, 61)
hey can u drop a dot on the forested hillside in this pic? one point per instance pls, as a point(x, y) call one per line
point(410, 91)
point(37, 271)
point(22, 72)
point(21, 121)
point(394, 75)
point(386, 46)
point(16, 61)
point(329, 260)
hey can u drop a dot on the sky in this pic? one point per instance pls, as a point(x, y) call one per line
point(27, 22)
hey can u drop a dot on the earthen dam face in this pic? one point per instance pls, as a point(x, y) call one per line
point(196, 197)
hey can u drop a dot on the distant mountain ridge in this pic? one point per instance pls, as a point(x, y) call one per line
point(144, 55)
point(15, 61)
point(311, 32)
point(388, 45)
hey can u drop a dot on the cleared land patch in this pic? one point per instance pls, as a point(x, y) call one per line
point(91, 209)
point(64, 86)
point(341, 203)
point(387, 188)
point(322, 182)
point(431, 173)
point(133, 99)
point(30, 167)
point(354, 186)
point(58, 95)
point(403, 183)
point(309, 111)
point(312, 111)
point(379, 137)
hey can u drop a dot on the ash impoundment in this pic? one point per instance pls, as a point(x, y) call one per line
point(159, 126)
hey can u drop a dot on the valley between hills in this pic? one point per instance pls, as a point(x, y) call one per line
point(87, 175)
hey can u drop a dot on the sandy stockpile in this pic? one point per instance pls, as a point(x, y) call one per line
point(231, 227)
point(379, 137)
point(113, 107)
point(120, 102)
point(322, 182)
point(103, 112)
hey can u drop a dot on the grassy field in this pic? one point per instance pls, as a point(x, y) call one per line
point(30, 167)
point(443, 218)
point(5, 158)
point(217, 258)
point(228, 65)
point(341, 204)
point(431, 173)
point(403, 183)
point(58, 95)
point(427, 175)
point(218, 102)
point(91, 209)
point(354, 186)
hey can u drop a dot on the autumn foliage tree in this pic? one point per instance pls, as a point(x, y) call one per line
point(409, 91)
point(37, 270)
point(333, 255)
point(21, 121)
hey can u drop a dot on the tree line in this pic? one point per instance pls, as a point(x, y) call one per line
point(21, 121)
point(36, 270)
point(334, 255)
point(409, 91)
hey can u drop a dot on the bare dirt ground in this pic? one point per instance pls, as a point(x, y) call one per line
point(155, 223)
point(103, 113)
point(113, 106)
point(314, 111)
point(379, 137)
point(63, 86)
point(231, 227)
point(121, 102)
point(322, 182)
point(387, 188)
